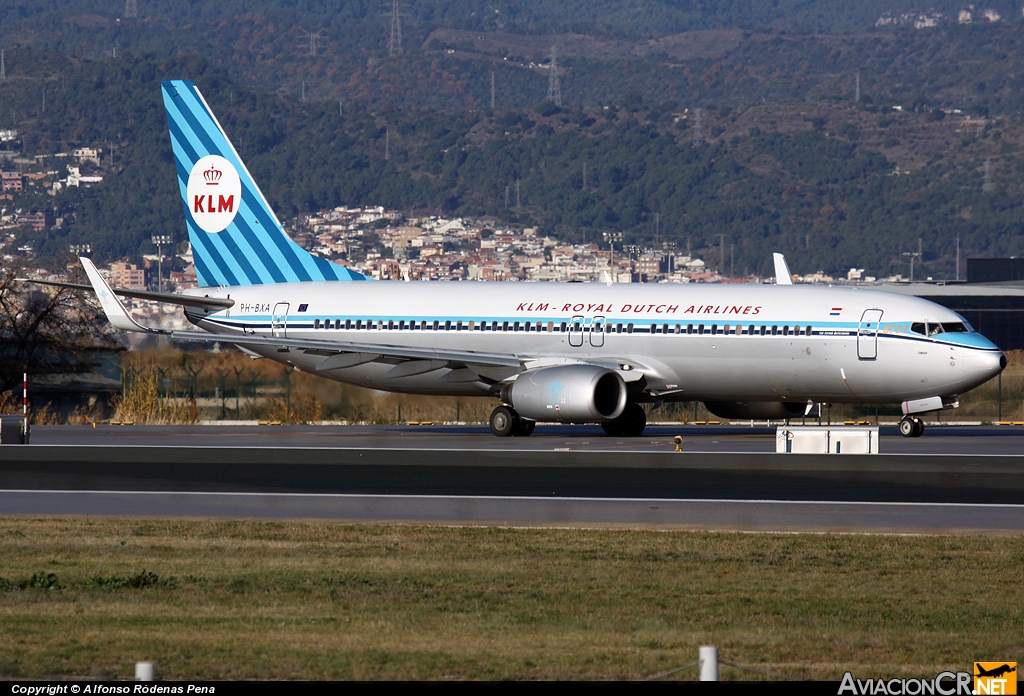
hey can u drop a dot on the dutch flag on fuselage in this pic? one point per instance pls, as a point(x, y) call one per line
point(236, 238)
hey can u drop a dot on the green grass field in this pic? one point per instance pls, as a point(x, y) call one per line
point(308, 600)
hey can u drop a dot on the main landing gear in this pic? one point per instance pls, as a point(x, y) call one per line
point(630, 424)
point(505, 421)
point(911, 427)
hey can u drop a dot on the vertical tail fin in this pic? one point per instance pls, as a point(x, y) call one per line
point(236, 238)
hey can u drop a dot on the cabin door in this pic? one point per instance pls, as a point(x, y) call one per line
point(597, 331)
point(867, 334)
point(279, 321)
point(576, 331)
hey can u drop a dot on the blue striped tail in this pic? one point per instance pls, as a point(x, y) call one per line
point(236, 238)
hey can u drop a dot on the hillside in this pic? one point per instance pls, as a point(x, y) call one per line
point(696, 54)
point(833, 184)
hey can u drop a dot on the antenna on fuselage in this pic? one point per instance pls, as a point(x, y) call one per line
point(782, 274)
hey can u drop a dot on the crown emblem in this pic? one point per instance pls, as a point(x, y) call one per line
point(212, 175)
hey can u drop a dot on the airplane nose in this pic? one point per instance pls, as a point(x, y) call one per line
point(983, 361)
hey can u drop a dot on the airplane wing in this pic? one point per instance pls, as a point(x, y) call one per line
point(207, 303)
point(339, 354)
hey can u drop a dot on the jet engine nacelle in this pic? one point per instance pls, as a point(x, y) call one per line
point(758, 410)
point(568, 393)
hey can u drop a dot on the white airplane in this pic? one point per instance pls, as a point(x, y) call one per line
point(551, 352)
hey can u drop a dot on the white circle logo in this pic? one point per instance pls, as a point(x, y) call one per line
point(214, 193)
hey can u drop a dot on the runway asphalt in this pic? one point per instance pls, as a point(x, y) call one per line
point(938, 439)
point(727, 477)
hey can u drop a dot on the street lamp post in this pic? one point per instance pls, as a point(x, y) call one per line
point(160, 240)
point(913, 255)
point(632, 249)
point(611, 238)
point(670, 248)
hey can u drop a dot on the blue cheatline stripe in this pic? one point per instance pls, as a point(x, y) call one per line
point(208, 133)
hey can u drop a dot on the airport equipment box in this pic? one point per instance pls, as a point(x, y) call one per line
point(827, 440)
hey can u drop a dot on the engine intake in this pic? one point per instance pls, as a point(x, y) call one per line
point(568, 393)
point(756, 410)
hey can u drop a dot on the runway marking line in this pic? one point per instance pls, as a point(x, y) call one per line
point(521, 497)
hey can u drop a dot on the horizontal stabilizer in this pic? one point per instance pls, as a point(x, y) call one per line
point(207, 303)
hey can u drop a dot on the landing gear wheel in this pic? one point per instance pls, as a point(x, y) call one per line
point(630, 424)
point(524, 428)
point(911, 427)
point(906, 426)
point(504, 421)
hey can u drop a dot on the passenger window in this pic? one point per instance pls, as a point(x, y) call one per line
point(785, 330)
point(689, 328)
point(918, 328)
point(700, 329)
point(775, 330)
point(714, 329)
point(629, 327)
point(796, 330)
point(750, 330)
point(494, 326)
point(448, 325)
point(316, 323)
point(458, 326)
point(472, 325)
point(348, 324)
point(391, 325)
point(807, 331)
point(618, 328)
point(678, 328)
point(726, 331)
point(551, 326)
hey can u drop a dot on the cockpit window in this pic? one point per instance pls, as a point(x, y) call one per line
point(954, 327)
point(934, 329)
point(918, 327)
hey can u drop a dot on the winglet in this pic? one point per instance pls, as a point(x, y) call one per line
point(117, 315)
point(782, 274)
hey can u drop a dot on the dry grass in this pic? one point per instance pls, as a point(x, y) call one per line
point(322, 600)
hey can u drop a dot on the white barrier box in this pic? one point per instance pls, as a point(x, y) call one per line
point(826, 440)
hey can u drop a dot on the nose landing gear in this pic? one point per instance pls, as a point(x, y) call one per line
point(911, 427)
